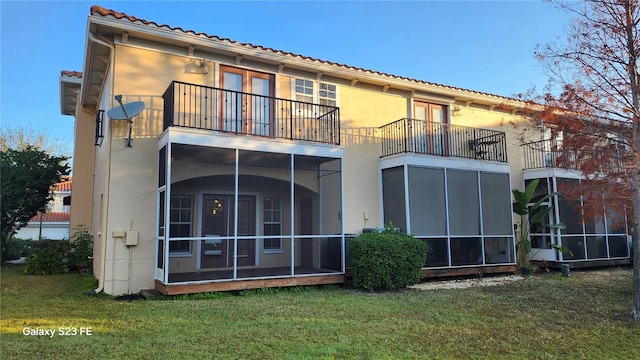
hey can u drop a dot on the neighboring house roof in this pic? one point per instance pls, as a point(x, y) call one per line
point(69, 73)
point(70, 82)
point(64, 185)
point(52, 217)
point(466, 94)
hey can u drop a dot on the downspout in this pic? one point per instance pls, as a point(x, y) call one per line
point(105, 201)
point(98, 41)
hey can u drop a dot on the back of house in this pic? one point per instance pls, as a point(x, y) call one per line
point(252, 167)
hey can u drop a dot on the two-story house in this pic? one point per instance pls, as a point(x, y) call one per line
point(252, 167)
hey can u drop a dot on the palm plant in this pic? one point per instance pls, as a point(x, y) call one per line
point(531, 214)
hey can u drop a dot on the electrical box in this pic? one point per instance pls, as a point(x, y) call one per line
point(131, 238)
point(118, 234)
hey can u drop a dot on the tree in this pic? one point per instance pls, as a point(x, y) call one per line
point(19, 138)
point(26, 178)
point(592, 102)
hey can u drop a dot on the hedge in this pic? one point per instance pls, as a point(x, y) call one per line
point(387, 260)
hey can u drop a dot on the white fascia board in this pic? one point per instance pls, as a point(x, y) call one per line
point(315, 66)
point(551, 172)
point(88, 52)
point(453, 163)
point(230, 141)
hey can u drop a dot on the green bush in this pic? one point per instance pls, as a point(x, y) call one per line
point(81, 249)
point(18, 247)
point(51, 257)
point(57, 256)
point(387, 260)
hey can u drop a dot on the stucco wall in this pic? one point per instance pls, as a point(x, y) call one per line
point(123, 180)
point(83, 164)
point(362, 111)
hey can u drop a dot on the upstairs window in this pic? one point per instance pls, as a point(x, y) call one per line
point(327, 94)
point(315, 92)
point(304, 90)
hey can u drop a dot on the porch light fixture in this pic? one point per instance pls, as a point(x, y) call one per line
point(217, 207)
point(204, 68)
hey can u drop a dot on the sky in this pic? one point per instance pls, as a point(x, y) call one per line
point(479, 45)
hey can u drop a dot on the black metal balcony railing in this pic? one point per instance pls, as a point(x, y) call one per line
point(424, 137)
point(203, 107)
point(550, 153)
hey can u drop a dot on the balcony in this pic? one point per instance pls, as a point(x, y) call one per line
point(208, 108)
point(441, 139)
point(608, 158)
point(548, 154)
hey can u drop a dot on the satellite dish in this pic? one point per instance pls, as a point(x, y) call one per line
point(126, 112)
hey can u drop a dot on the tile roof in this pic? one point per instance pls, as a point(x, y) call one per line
point(99, 10)
point(52, 217)
point(64, 185)
point(69, 73)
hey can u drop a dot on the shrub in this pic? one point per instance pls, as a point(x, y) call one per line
point(56, 256)
point(81, 247)
point(49, 258)
point(18, 247)
point(387, 260)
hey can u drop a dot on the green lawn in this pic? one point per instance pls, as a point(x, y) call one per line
point(543, 317)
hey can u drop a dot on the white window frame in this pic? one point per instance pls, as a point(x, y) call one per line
point(269, 221)
point(315, 89)
point(190, 222)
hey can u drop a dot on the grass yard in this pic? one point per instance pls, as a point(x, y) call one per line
point(544, 317)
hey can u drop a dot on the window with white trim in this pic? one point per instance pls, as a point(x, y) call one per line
point(315, 92)
point(180, 216)
point(304, 90)
point(327, 94)
point(272, 223)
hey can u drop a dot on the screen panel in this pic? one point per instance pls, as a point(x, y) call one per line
point(427, 201)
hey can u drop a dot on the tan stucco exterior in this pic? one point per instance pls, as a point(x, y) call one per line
point(116, 187)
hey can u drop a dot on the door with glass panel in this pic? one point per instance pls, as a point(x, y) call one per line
point(246, 105)
point(541, 235)
point(431, 130)
point(218, 214)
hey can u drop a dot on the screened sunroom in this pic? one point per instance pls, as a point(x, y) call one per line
point(603, 237)
point(460, 208)
point(233, 210)
point(593, 240)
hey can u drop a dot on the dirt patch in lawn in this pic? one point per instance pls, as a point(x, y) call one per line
point(467, 283)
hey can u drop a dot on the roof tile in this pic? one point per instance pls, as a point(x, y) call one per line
point(99, 10)
point(64, 185)
point(70, 73)
point(52, 217)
